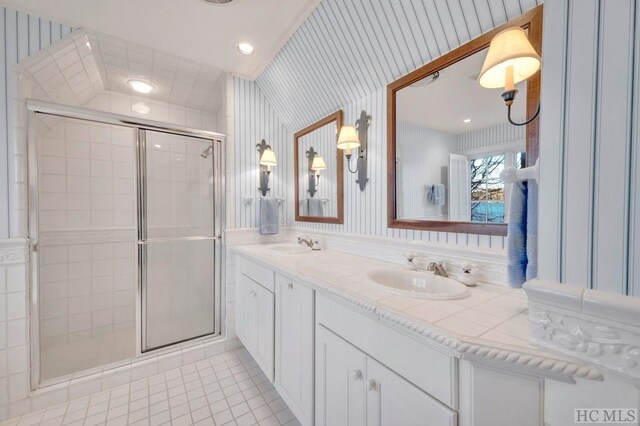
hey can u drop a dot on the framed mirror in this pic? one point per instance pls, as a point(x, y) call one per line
point(318, 174)
point(449, 139)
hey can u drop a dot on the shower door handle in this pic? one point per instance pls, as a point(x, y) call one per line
point(177, 239)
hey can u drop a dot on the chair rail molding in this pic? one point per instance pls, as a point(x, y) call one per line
point(14, 250)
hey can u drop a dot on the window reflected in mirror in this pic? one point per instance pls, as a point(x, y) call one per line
point(452, 142)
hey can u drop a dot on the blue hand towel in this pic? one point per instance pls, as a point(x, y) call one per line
point(517, 235)
point(269, 216)
point(315, 207)
point(532, 230)
point(436, 194)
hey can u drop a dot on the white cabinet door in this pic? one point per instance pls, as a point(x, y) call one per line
point(340, 391)
point(255, 322)
point(263, 324)
point(294, 347)
point(391, 401)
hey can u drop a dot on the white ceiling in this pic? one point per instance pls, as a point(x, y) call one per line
point(456, 95)
point(193, 29)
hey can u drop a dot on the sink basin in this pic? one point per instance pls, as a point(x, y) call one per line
point(418, 284)
point(289, 248)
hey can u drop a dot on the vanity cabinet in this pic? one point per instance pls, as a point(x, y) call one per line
point(354, 389)
point(255, 319)
point(294, 346)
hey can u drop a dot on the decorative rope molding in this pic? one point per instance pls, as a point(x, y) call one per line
point(535, 362)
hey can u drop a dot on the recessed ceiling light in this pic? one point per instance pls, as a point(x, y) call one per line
point(140, 86)
point(467, 120)
point(88, 45)
point(141, 108)
point(245, 48)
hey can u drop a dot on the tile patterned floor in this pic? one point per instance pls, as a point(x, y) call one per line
point(228, 389)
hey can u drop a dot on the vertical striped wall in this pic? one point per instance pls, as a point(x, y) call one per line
point(345, 54)
point(422, 160)
point(348, 49)
point(501, 136)
point(590, 229)
point(22, 35)
point(254, 120)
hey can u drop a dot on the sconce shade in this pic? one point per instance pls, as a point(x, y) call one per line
point(348, 138)
point(268, 158)
point(509, 48)
point(318, 163)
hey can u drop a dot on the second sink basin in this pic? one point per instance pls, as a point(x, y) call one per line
point(289, 248)
point(418, 284)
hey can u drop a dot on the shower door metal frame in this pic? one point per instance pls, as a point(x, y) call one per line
point(144, 240)
point(35, 107)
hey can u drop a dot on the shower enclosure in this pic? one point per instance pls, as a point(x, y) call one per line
point(125, 226)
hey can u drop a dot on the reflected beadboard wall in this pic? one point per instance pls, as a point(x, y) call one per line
point(590, 231)
point(23, 35)
point(343, 56)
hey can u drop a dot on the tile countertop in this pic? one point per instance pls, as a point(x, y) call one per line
point(491, 313)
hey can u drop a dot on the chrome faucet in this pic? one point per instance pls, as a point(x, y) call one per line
point(309, 242)
point(437, 269)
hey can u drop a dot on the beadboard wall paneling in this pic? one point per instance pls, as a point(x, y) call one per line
point(422, 160)
point(348, 49)
point(22, 35)
point(501, 136)
point(589, 135)
point(254, 120)
point(365, 211)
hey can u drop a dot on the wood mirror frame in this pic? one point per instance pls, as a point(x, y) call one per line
point(339, 218)
point(530, 21)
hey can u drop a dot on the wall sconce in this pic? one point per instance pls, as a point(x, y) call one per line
point(267, 160)
point(511, 59)
point(315, 164)
point(356, 138)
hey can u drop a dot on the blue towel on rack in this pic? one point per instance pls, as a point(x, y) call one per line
point(269, 215)
point(436, 194)
point(532, 230)
point(517, 235)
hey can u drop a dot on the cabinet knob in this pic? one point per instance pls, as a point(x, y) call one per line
point(371, 384)
point(290, 286)
point(356, 374)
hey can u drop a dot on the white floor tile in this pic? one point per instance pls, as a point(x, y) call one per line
point(227, 389)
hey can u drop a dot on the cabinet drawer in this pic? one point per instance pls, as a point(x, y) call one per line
point(428, 368)
point(258, 273)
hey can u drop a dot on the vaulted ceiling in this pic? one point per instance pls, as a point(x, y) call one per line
point(347, 49)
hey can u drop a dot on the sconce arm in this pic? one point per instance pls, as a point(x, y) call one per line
point(349, 165)
point(525, 122)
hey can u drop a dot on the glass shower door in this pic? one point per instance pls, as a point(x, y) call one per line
point(177, 237)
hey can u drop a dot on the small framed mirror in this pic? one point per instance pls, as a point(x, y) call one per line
point(449, 139)
point(319, 172)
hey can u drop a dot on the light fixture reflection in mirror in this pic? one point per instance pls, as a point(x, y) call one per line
point(315, 164)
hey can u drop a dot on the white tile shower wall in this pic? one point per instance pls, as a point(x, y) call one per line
point(19, 44)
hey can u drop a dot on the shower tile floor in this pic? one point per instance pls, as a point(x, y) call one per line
point(228, 389)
